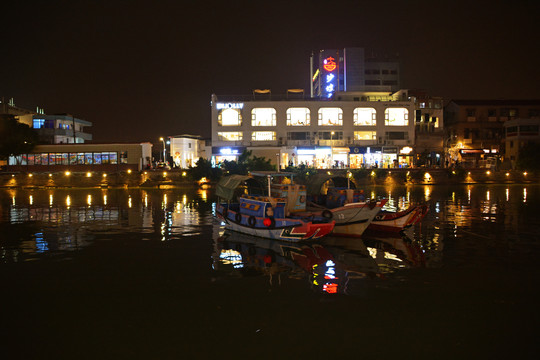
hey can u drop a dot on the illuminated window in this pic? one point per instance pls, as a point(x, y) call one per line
point(365, 117)
point(263, 136)
point(396, 117)
point(230, 117)
point(330, 117)
point(230, 136)
point(298, 117)
point(263, 117)
point(365, 135)
point(38, 123)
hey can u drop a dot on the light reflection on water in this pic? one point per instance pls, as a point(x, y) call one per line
point(465, 225)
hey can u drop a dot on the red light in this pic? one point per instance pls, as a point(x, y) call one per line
point(267, 222)
point(329, 64)
point(330, 288)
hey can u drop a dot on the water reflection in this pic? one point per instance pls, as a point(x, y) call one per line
point(334, 265)
point(56, 222)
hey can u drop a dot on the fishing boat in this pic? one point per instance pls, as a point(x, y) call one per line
point(341, 200)
point(273, 215)
point(343, 204)
point(400, 220)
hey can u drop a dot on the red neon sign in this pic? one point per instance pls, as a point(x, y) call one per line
point(329, 64)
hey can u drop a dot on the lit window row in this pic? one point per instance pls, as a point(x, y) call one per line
point(327, 116)
point(322, 135)
point(81, 158)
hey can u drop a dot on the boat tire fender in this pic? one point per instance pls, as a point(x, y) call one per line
point(252, 221)
point(238, 217)
point(327, 214)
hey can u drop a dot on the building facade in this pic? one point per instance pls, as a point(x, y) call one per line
point(185, 150)
point(519, 132)
point(313, 132)
point(475, 128)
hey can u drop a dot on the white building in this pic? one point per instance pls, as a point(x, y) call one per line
point(185, 150)
point(356, 130)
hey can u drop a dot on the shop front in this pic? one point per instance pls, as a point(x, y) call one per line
point(229, 153)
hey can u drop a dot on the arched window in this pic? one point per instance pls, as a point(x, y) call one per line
point(330, 117)
point(396, 117)
point(365, 117)
point(230, 117)
point(263, 117)
point(298, 117)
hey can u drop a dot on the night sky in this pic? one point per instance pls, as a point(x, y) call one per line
point(139, 70)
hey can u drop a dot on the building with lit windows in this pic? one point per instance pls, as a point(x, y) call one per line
point(322, 133)
point(51, 129)
point(476, 128)
point(185, 150)
point(351, 70)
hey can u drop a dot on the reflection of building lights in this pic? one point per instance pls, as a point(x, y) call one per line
point(524, 194)
point(507, 194)
point(203, 180)
point(50, 200)
point(31, 200)
point(373, 173)
point(129, 202)
point(330, 288)
point(487, 195)
point(68, 201)
point(329, 173)
point(231, 257)
point(184, 199)
point(89, 200)
point(104, 199)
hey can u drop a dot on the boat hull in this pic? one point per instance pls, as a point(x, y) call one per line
point(353, 219)
point(396, 222)
point(284, 229)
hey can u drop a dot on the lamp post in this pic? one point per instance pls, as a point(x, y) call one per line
point(332, 148)
point(164, 155)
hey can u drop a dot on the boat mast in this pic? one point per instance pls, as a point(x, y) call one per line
point(269, 183)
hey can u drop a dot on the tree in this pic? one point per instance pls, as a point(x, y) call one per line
point(203, 168)
point(15, 138)
point(246, 163)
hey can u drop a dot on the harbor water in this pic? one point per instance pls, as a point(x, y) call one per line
point(152, 274)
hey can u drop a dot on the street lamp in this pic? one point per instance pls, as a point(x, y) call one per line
point(332, 148)
point(164, 156)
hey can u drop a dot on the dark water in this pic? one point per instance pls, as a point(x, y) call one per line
point(135, 274)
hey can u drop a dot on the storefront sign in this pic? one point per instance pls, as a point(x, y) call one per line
point(357, 150)
point(220, 106)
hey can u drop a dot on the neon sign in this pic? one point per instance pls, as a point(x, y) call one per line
point(220, 106)
point(330, 79)
point(329, 64)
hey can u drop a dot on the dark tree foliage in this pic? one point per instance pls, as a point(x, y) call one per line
point(528, 158)
point(246, 163)
point(15, 138)
point(203, 168)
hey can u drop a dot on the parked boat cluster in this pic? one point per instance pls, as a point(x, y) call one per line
point(270, 205)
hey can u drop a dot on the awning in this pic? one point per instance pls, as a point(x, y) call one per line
point(313, 187)
point(227, 185)
point(471, 151)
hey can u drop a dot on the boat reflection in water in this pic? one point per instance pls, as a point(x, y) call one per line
point(332, 265)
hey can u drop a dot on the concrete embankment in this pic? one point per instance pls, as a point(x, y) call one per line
point(164, 179)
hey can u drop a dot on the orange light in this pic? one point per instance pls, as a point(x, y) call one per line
point(329, 64)
point(267, 222)
point(330, 288)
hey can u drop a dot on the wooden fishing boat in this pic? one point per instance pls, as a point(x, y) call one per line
point(268, 216)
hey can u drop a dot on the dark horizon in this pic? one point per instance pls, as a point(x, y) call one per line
point(141, 72)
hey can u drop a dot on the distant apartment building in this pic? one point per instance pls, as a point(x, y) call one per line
point(52, 129)
point(350, 132)
point(352, 70)
point(476, 128)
